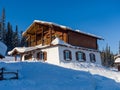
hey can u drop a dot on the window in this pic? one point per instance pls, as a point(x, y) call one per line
point(92, 57)
point(42, 56)
point(67, 55)
point(28, 56)
point(80, 56)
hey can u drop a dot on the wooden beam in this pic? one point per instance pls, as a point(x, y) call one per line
point(50, 34)
point(67, 37)
point(30, 41)
point(21, 55)
point(39, 32)
point(62, 36)
point(35, 36)
point(15, 57)
point(42, 37)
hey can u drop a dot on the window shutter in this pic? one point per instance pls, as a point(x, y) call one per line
point(84, 58)
point(45, 56)
point(90, 57)
point(41, 55)
point(64, 55)
point(38, 54)
point(94, 58)
point(76, 55)
point(70, 55)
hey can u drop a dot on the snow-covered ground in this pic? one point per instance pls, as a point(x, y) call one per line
point(72, 76)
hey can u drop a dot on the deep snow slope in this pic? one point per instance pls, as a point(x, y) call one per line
point(41, 76)
point(66, 76)
point(94, 69)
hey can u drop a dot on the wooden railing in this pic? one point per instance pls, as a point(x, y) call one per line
point(11, 75)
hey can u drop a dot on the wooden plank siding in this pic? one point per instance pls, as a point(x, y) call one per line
point(44, 34)
point(82, 40)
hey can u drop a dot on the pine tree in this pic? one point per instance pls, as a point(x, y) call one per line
point(23, 42)
point(0, 30)
point(2, 26)
point(119, 48)
point(9, 37)
point(15, 38)
point(107, 56)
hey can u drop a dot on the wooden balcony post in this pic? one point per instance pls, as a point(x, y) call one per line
point(30, 41)
point(35, 36)
point(50, 28)
point(15, 57)
point(21, 57)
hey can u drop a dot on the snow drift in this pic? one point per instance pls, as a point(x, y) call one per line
point(43, 76)
point(3, 49)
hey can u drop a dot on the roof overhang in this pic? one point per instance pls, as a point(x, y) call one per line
point(30, 29)
point(89, 34)
point(21, 50)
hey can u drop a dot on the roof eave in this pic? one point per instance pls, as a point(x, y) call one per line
point(25, 32)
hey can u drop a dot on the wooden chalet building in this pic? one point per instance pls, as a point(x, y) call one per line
point(40, 32)
point(43, 37)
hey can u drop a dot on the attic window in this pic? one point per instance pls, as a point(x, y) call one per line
point(67, 55)
point(92, 57)
point(80, 56)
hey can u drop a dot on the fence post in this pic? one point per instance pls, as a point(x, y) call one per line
point(1, 74)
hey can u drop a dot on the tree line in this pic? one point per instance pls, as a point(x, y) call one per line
point(12, 38)
point(107, 57)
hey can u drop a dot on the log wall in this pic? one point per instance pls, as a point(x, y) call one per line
point(44, 34)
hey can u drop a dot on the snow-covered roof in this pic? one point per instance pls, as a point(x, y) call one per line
point(117, 60)
point(25, 49)
point(44, 22)
point(58, 41)
point(3, 49)
point(64, 27)
point(21, 49)
point(89, 34)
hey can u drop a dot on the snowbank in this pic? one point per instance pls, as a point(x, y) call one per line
point(58, 41)
point(117, 60)
point(94, 69)
point(3, 49)
point(41, 76)
point(68, 76)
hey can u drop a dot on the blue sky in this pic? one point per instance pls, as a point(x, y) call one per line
point(99, 17)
